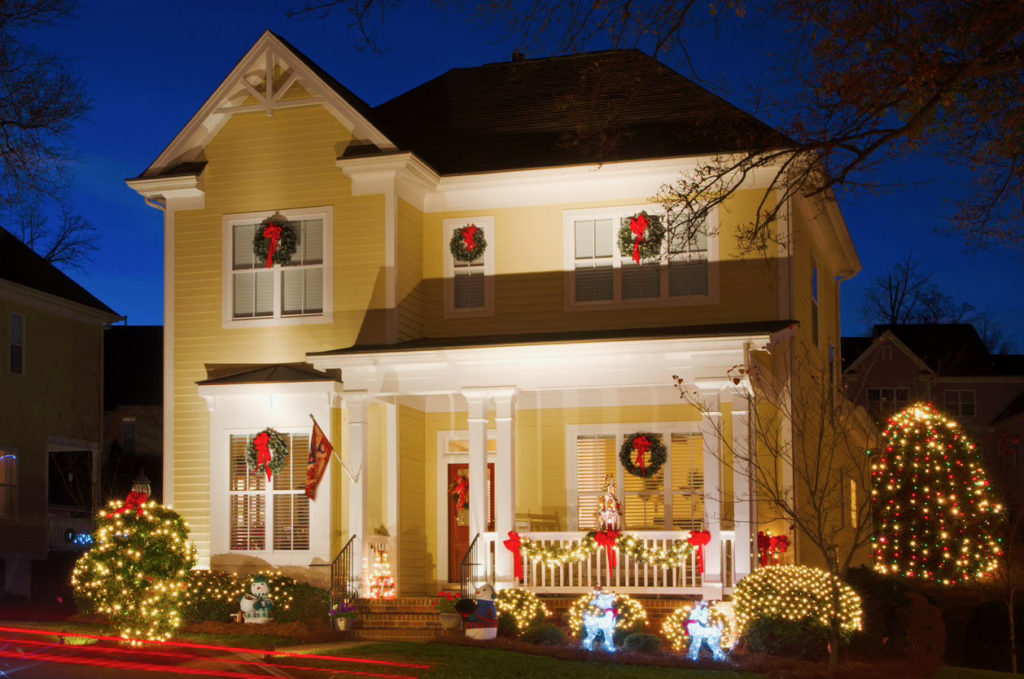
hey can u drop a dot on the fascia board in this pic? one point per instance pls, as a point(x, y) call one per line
point(59, 306)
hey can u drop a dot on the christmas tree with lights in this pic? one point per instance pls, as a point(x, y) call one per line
point(934, 513)
point(382, 582)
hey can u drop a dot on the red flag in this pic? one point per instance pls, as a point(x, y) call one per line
point(320, 450)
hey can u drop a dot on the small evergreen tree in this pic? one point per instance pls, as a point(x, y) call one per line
point(934, 514)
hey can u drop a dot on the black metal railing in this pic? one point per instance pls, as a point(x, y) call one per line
point(473, 571)
point(342, 589)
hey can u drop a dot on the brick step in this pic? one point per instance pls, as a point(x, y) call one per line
point(392, 634)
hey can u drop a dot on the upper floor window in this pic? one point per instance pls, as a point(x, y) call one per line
point(960, 402)
point(17, 344)
point(469, 283)
point(602, 273)
point(298, 289)
point(886, 401)
point(8, 484)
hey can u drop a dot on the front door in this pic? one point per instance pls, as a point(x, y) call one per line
point(458, 516)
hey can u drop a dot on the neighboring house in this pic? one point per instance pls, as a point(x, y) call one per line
point(51, 397)
point(132, 409)
point(527, 366)
point(948, 366)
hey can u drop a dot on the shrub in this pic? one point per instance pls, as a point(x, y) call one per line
point(779, 636)
point(507, 626)
point(886, 613)
point(214, 596)
point(798, 593)
point(308, 603)
point(210, 596)
point(522, 606)
point(545, 635)
point(642, 643)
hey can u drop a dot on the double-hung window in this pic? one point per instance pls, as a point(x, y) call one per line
point(960, 402)
point(270, 515)
point(885, 401)
point(469, 286)
point(602, 273)
point(296, 291)
point(8, 485)
point(17, 344)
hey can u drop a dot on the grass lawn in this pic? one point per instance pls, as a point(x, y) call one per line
point(967, 673)
point(67, 627)
point(449, 661)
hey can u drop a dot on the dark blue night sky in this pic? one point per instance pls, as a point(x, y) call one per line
point(149, 66)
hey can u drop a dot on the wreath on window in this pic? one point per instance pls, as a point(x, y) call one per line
point(640, 236)
point(267, 451)
point(467, 243)
point(648, 452)
point(275, 241)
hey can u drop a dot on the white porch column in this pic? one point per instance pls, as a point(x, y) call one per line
point(710, 432)
point(476, 406)
point(504, 481)
point(356, 403)
point(743, 510)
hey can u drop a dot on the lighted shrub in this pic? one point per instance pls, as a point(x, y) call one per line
point(523, 606)
point(136, 573)
point(210, 596)
point(308, 602)
point(778, 636)
point(214, 596)
point(798, 593)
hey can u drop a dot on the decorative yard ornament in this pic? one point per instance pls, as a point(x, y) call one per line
point(599, 619)
point(257, 606)
point(609, 511)
point(482, 621)
point(704, 633)
point(647, 450)
point(274, 240)
point(267, 451)
point(382, 581)
point(468, 243)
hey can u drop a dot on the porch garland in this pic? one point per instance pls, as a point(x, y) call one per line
point(267, 451)
point(554, 556)
point(641, 237)
point(468, 243)
point(275, 240)
point(650, 454)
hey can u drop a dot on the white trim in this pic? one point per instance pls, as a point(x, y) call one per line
point(168, 367)
point(228, 221)
point(59, 306)
point(486, 224)
point(15, 515)
point(186, 191)
point(444, 458)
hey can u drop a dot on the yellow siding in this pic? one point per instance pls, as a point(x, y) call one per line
point(410, 272)
point(414, 503)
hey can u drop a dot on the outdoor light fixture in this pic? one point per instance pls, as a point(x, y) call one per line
point(141, 483)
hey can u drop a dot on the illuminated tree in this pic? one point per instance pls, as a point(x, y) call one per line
point(137, 573)
point(797, 593)
point(934, 513)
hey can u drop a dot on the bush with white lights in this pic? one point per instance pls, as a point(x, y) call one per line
point(798, 593)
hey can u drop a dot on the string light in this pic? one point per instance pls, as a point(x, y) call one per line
point(557, 555)
point(382, 582)
point(631, 614)
point(676, 626)
point(794, 593)
point(931, 502)
point(523, 605)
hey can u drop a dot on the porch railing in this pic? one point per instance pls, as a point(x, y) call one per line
point(342, 585)
point(477, 565)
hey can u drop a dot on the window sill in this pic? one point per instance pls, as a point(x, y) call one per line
point(240, 323)
point(640, 303)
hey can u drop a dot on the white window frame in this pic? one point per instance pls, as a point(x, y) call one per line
point(326, 213)
point(616, 214)
point(958, 413)
point(11, 343)
point(620, 432)
point(485, 224)
point(14, 486)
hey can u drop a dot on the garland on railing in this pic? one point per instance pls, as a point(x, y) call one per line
point(577, 550)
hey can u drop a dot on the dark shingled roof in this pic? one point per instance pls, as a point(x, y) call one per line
point(133, 359)
point(433, 343)
point(20, 264)
point(1016, 407)
point(274, 372)
point(949, 349)
point(589, 108)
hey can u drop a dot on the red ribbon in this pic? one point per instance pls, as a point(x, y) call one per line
point(607, 539)
point(763, 547)
point(769, 546)
point(262, 443)
point(514, 544)
point(133, 501)
point(272, 232)
point(638, 225)
point(699, 538)
point(469, 236)
point(461, 492)
point(642, 445)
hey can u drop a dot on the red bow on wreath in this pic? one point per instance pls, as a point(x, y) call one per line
point(638, 225)
point(699, 538)
point(607, 539)
point(642, 446)
point(262, 444)
point(514, 544)
point(272, 232)
point(469, 237)
point(460, 491)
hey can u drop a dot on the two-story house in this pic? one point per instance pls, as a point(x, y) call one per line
point(51, 395)
point(523, 369)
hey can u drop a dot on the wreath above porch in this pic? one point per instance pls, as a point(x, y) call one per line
point(467, 243)
point(274, 240)
point(648, 451)
point(267, 451)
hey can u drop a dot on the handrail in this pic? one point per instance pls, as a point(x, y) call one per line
point(468, 562)
point(341, 576)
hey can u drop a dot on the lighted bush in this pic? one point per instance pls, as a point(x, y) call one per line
point(136, 574)
point(797, 593)
point(523, 606)
point(632, 616)
point(210, 595)
point(778, 636)
point(214, 596)
point(676, 629)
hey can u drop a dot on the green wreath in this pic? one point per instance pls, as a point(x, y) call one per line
point(286, 245)
point(278, 452)
point(460, 250)
point(654, 458)
point(650, 244)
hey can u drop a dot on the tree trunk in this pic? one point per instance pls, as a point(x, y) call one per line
point(834, 630)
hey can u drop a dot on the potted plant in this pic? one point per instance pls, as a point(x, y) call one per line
point(445, 604)
point(343, 616)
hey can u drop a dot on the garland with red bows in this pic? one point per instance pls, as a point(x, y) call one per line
point(648, 451)
point(770, 546)
point(274, 241)
point(640, 236)
point(267, 451)
point(468, 243)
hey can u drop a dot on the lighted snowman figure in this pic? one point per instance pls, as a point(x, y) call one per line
point(257, 606)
